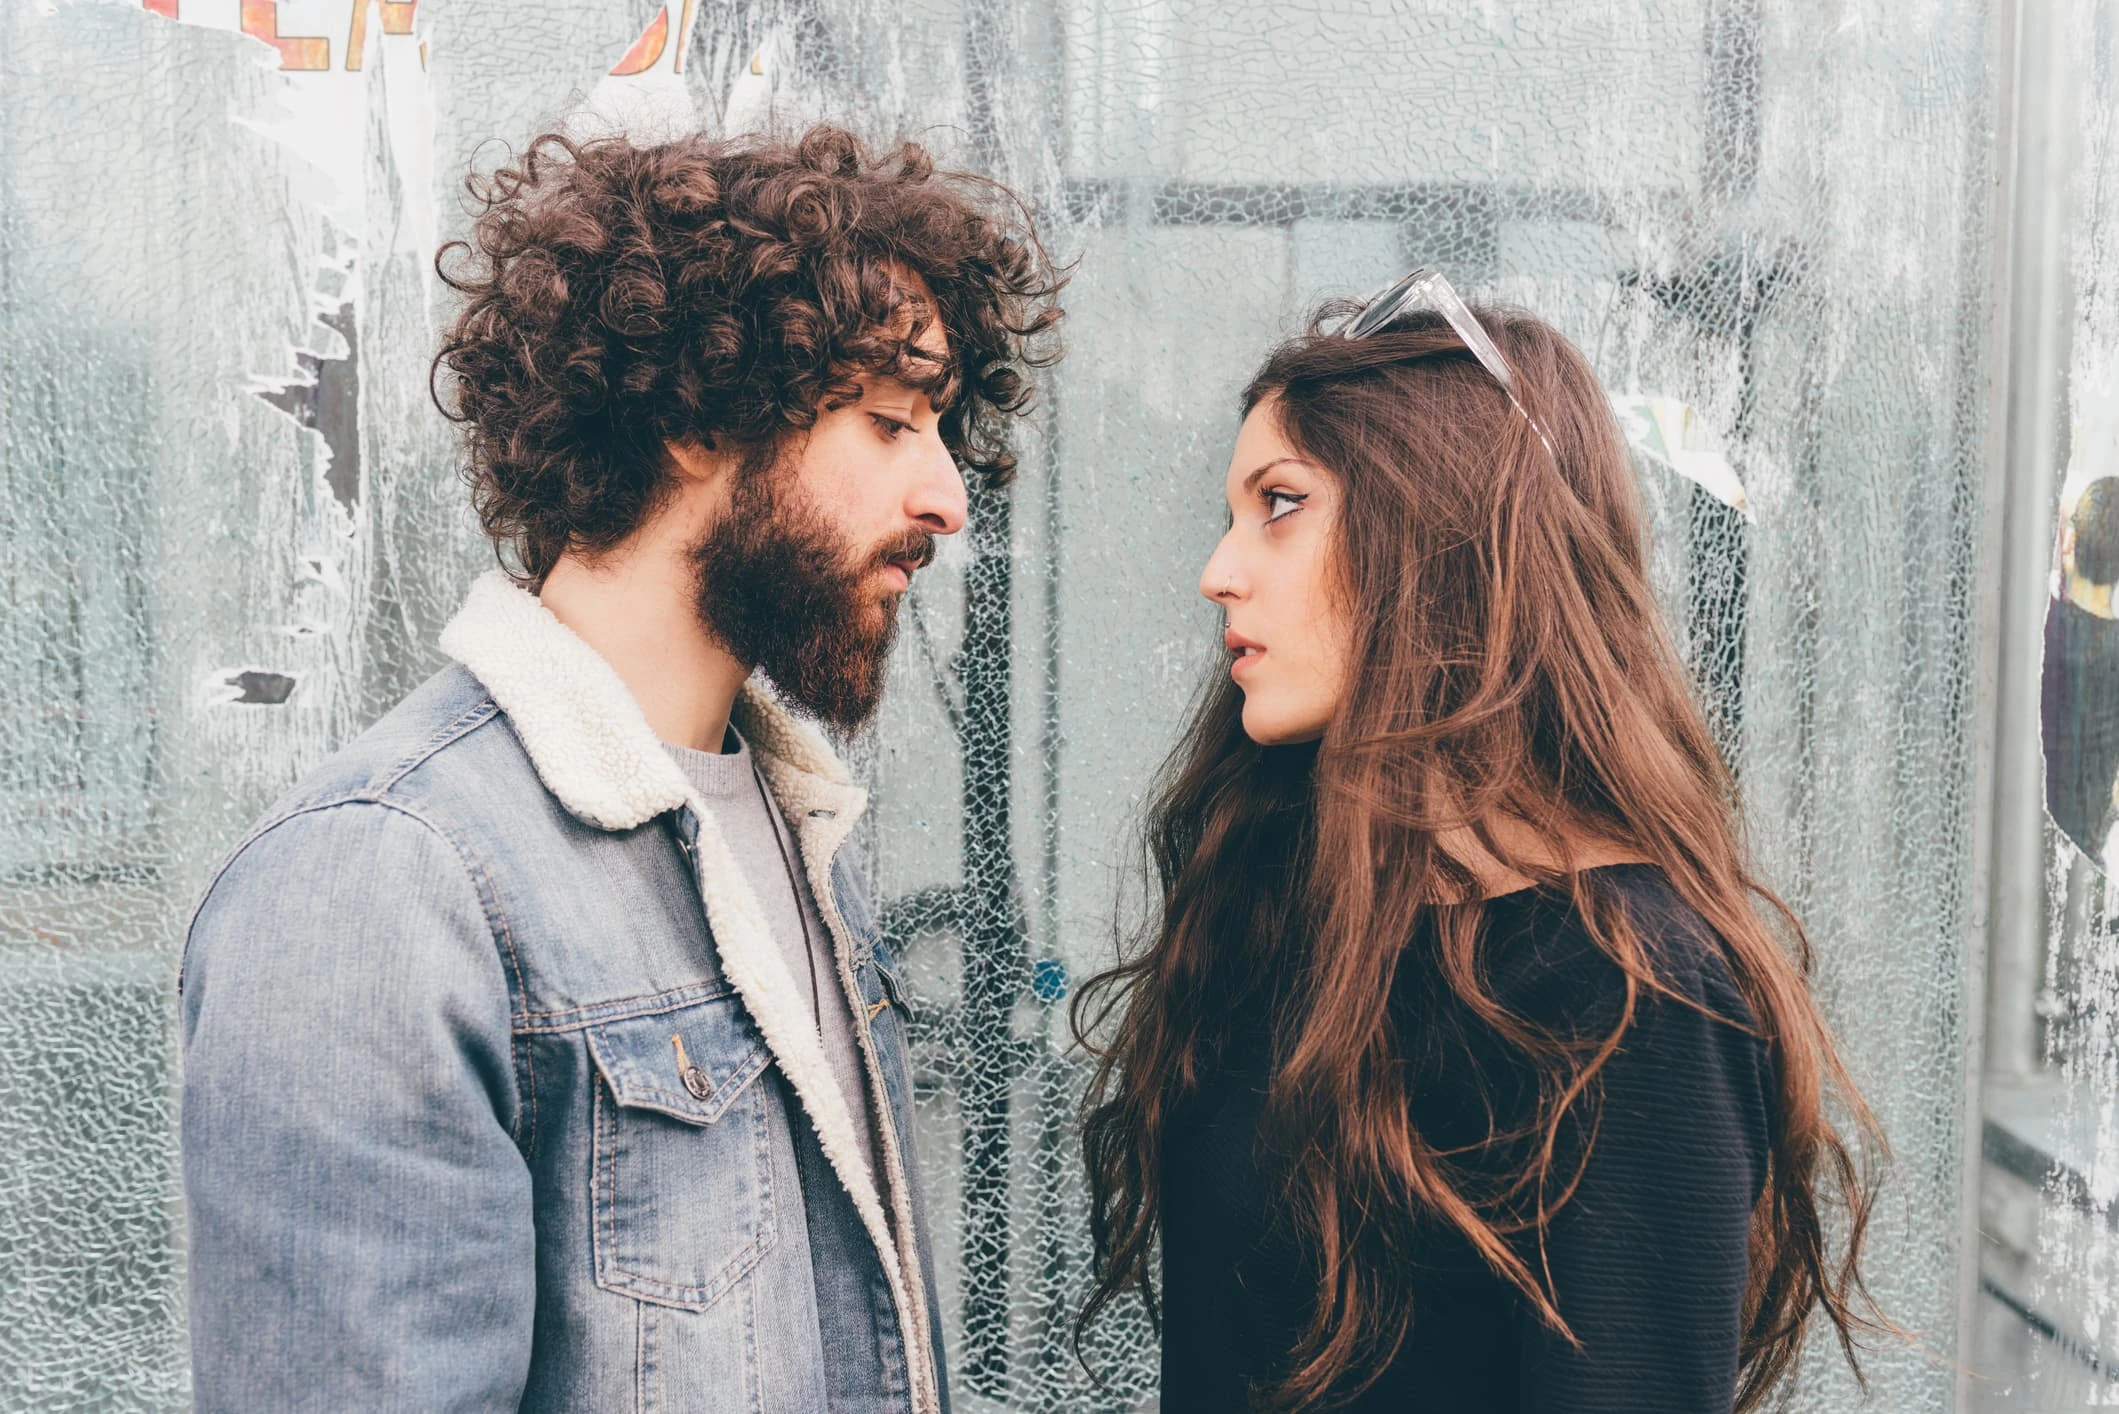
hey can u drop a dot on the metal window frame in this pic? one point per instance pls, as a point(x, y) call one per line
point(2029, 335)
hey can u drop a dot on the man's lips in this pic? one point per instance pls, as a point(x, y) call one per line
point(900, 559)
point(904, 558)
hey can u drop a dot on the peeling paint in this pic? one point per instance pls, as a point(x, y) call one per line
point(325, 397)
point(250, 687)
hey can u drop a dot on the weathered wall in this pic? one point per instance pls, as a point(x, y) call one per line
point(229, 524)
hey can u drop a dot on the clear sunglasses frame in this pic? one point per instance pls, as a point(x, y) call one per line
point(1425, 288)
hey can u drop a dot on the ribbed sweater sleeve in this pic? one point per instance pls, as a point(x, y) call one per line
point(1648, 1258)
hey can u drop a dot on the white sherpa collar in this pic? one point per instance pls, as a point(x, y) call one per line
point(585, 734)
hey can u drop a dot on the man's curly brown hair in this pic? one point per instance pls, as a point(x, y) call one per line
point(719, 292)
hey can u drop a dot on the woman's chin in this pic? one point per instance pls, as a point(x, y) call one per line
point(1267, 727)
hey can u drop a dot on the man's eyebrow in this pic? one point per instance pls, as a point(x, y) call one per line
point(1250, 482)
point(917, 369)
point(922, 371)
point(888, 384)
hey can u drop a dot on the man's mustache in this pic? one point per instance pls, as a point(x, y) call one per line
point(914, 548)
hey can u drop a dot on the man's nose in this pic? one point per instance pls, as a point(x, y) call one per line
point(938, 501)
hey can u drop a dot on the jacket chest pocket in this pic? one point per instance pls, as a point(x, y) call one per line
point(683, 1200)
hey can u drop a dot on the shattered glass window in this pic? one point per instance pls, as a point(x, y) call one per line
point(231, 526)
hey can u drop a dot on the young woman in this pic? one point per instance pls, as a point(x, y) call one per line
point(1461, 1070)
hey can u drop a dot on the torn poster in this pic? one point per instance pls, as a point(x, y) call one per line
point(1673, 434)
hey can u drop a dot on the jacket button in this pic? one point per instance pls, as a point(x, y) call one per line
point(695, 1080)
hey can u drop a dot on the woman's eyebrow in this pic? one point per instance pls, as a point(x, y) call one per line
point(1255, 477)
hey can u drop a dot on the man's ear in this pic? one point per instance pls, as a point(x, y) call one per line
point(697, 461)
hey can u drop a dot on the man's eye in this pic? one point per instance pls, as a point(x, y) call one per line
point(1280, 503)
point(890, 427)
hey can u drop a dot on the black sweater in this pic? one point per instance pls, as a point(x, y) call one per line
point(1648, 1259)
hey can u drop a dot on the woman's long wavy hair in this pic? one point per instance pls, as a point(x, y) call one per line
point(1510, 664)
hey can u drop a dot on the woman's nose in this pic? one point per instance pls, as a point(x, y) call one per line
point(1219, 580)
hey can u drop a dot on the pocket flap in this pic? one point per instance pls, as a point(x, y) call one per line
point(689, 1064)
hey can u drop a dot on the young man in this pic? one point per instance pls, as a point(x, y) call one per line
point(540, 1050)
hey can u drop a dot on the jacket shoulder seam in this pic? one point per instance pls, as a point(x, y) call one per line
point(376, 790)
point(457, 727)
point(483, 888)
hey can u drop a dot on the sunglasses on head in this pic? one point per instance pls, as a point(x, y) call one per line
point(1425, 288)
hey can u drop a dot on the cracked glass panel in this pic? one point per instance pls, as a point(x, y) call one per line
point(230, 525)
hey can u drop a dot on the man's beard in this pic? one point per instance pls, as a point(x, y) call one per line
point(785, 592)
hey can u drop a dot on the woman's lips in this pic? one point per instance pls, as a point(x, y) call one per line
point(1247, 652)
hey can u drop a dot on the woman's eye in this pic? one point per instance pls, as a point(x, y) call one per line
point(1280, 503)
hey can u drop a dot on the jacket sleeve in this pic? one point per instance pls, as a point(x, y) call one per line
point(360, 1217)
point(1649, 1259)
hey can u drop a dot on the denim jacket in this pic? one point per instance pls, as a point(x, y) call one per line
point(498, 1094)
